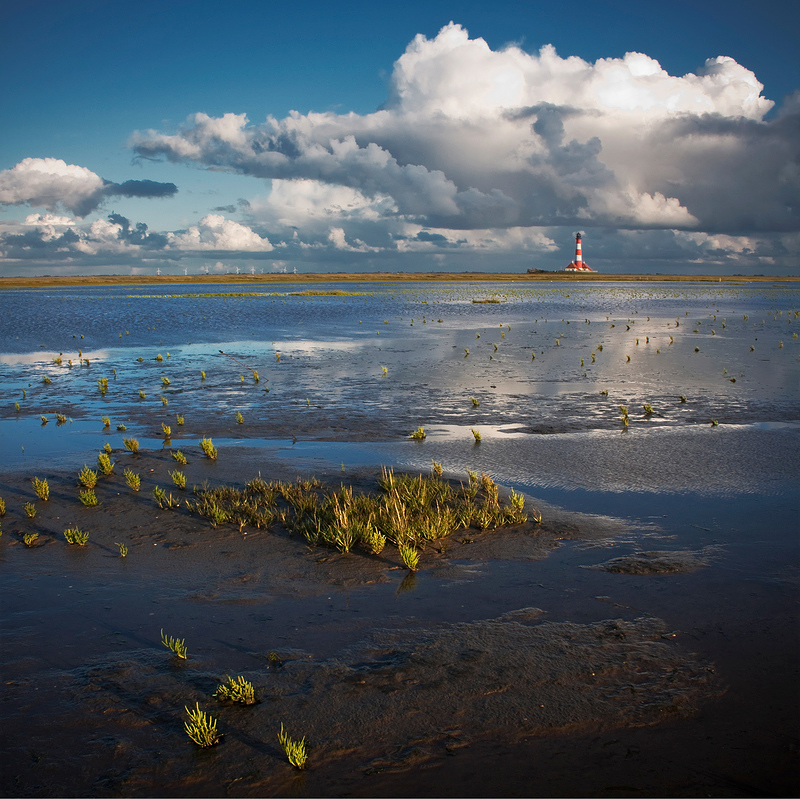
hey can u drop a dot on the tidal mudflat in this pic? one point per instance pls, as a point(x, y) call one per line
point(641, 639)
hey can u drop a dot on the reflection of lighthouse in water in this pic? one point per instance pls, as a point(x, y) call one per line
point(578, 264)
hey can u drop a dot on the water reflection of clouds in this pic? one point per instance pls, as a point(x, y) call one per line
point(42, 358)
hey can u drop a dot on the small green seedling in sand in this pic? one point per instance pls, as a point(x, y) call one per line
point(29, 539)
point(123, 550)
point(30, 510)
point(87, 477)
point(76, 536)
point(133, 480)
point(176, 645)
point(178, 456)
point(385, 370)
point(88, 497)
point(41, 489)
point(105, 464)
point(236, 690)
point(295, 750)
point(209, 450)
point(201, 727)
point(418, 435)
point(132, 445)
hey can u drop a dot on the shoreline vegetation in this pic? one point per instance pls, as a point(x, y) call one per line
point(49, 281)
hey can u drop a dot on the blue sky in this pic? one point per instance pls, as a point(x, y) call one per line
point(395, 141)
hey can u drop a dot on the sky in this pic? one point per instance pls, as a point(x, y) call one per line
point(189, 137)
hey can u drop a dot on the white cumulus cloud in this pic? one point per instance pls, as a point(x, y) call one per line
point(215, 232)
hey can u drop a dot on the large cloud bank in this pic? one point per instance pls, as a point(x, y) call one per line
point(474, 138)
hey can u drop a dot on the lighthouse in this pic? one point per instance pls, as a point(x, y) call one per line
point(578, 264)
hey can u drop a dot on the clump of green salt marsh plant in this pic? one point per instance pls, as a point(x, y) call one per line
point(61, 419)
point(236, 690)
point(107, 448)
point(76, 536)
point(436, 469)
point(142, 395)
point(41, 488)
point(159, 357)
point(2, 507)
point(88, 497)
point(16, 406)
point(30, 539)
point(176, 645)
point(87, 477)
point(209, 450)
point(201, 727)
point(165, 381)
point(648, 409)
point(166, 430)
point(106, 422)
point(475, 402)
point(179, 478)
point(44, 420)
point(202, 375)
point(409, 555)
point(476, 435)
point(179, 419)
point(418, 435)
point(105, 464)
point(123, 550)
point(165, 501)
point(132, 445)
point(133, 480)
point(623, 409)
point(46, 380)
point(239, 417)
point(295, 751)
point(164, 401)
point(102, 384)
point(121, 428)
point(30, 510)
point(178, 456)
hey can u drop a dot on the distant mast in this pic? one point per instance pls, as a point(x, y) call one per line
point(578, 264)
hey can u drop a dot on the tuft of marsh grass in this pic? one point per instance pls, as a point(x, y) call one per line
point(121, 428)
point(105, 464)
point(475, 402)
point(44, 420)
point(41, 488)
point(648, 409)
point(418, 435)
point(132, 445)
point(201, 727)
point(165, 501)
point(107, 448)
point(176, 645)
point(133, 480)
point(61, 419)
point(209, 450)
point(102, 384)
point(179, 419)
point(436, 469)
point(76, 536)
point(142, 395)
point(88, 497)
point(30, 510)
point(295, 751)
point(164, 401)
point(46, 380)
point(165, 381)
point(178, 456)
point(123, 550)
point(2, 507)
point(409, 556)
point(236, 690)
point(87, 477)
point(29, 539)
point(179, 478)
point(476, 435)
point(166, 430)
point(239, 417)
point(106, 422)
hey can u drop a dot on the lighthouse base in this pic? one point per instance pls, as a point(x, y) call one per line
point(578, 266)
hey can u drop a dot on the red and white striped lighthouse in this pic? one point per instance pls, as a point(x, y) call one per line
point(578, 264)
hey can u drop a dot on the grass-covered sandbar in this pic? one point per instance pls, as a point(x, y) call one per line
point(604, 597)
